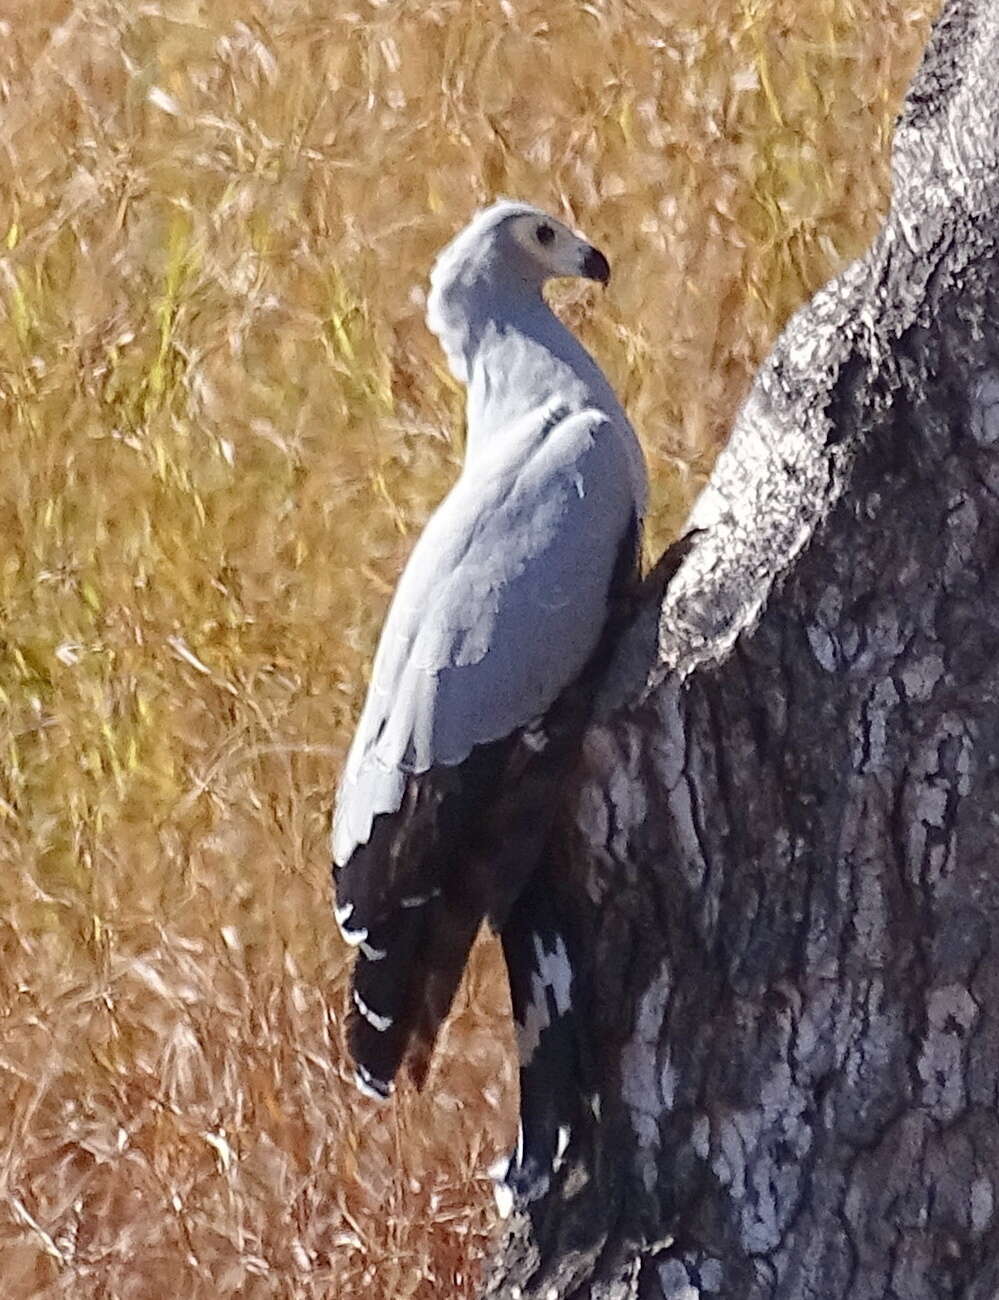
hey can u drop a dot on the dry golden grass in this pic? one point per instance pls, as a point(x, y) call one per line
point(223, 423)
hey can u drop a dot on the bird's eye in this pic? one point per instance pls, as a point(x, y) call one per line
point(545, 233)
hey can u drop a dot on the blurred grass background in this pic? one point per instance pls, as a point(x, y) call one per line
point(223, 423)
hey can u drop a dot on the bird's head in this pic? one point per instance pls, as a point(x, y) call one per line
point(511, 241)
point(544, 249)
point(507, 248)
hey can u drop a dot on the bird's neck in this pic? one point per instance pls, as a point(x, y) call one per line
point(519, 362)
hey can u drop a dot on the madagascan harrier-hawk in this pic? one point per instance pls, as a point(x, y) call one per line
point(480, 684)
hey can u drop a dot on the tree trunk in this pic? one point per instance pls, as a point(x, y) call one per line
point(783, 846)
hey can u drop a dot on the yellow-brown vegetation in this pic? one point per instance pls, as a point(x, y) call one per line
point(222, 423)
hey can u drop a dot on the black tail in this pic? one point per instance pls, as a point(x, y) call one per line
point(406, 975)
point(557, 1093)
point(411, 900)
point(381, 994)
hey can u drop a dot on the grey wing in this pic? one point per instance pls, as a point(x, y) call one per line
point(499, 608)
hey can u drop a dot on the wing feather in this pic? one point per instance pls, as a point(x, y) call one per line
point(501, 604)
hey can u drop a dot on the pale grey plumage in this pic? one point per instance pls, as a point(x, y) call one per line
point(505, 594)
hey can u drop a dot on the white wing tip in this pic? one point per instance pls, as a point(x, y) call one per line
point(503, 1195)
point(418, 900)
point(381, 1023)
point(343, 915)
point(376, 1089)
point(562, 1145)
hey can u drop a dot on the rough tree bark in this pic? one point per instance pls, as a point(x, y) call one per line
point(784, 842)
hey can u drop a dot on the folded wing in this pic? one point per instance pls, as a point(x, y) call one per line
point(501, 604)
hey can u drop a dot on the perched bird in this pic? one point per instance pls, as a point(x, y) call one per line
point(481, 681)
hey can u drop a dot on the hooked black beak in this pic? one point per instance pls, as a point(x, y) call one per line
point(596, 266)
